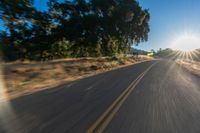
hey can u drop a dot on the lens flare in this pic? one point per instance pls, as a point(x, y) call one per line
point(8, 118)
point(186, 42)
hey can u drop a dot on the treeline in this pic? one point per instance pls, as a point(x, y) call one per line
point(138, 51)
point(77, 28)
point(177, 54)
point(166, 53)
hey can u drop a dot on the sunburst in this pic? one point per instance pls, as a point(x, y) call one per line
point(186, 42)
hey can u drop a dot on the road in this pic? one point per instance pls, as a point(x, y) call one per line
point(149, 97)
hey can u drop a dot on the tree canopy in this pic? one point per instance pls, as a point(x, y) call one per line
point(77, 28)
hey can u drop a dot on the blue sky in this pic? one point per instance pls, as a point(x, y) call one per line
point(169, 19)
point(41, 4)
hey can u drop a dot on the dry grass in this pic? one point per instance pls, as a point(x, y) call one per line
point(192, 66)
point(28, 77)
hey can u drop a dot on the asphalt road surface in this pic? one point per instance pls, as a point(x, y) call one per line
point(150, 97)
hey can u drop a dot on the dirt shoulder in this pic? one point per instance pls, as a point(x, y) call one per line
point(192, 66)
point(25, 78)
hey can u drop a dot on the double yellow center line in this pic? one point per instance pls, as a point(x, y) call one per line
point(101, 123)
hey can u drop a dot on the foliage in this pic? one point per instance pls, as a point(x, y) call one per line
point(164, 53)
point(71, 28)
point(138, 51)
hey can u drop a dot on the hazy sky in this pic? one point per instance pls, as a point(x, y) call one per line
point(169, 20)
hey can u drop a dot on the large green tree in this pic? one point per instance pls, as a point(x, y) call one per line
point(79, 27)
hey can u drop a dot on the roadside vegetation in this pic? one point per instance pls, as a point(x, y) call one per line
point(77, 28)
point(192, 66)
point(68, 40)
point(27, 77)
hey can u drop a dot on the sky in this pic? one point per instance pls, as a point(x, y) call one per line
point(171, 21)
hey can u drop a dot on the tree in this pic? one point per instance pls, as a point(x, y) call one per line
point(90, 28)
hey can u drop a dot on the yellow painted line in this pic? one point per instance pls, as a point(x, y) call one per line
point(90, 130)
point(115, 106)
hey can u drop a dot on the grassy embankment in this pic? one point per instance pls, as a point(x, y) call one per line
point(27, 77)
point(192, 66)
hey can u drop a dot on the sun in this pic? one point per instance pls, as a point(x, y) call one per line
point(186, 42)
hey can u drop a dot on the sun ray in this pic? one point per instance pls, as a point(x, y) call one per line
point(190, 56)
point(186, 42)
